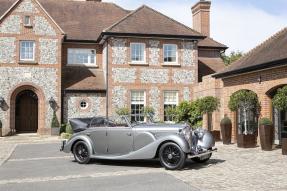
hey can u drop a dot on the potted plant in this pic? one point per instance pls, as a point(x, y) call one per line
point(247, 106)
point(279, 101)
point(226, 130)
point(266, 133)
point(55, 126)
point(207, 105)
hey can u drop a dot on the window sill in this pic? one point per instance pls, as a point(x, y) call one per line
point(139, 63)
point(28, 26)
point(171, 64)
point(83, 65)
point(28, 62)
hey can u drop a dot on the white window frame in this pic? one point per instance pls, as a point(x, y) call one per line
point(176, 54)
point(170, 103)
point(27, 24)
point(137, 102)
point(144, 53)
point(25, 59)
point(73, 61)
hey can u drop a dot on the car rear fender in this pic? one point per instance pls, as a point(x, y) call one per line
point(69, 146)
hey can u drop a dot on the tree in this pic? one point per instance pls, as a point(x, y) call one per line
point(279, 101)
point(232, 57)
point(247, 101)
point(208, 104)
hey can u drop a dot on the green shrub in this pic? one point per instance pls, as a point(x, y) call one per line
point(0, 124)
point(279, 101)
point(55, 123)
point(63, 128)
point(244, 99)
point(69, 129)
point(265, 121)
point(208, 104)
point(123, 111)
point(148, 111)
point(225, 121)
point(66, 135)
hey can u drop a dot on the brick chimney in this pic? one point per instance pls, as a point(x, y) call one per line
point(201, 17)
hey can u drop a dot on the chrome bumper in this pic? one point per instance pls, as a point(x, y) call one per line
point(63, 145)
point(202, 154)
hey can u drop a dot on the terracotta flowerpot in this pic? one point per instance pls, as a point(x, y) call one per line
point(284, 146)
point(216, 135)
point(246, 141)
point(226, 130)
point(266, 133)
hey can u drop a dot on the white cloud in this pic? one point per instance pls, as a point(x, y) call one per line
point(239, 26)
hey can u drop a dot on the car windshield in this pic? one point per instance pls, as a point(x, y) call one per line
point(118, 121)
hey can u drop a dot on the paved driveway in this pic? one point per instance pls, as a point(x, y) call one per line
point(43, 167)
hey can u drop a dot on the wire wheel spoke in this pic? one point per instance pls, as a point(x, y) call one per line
point(171, 155)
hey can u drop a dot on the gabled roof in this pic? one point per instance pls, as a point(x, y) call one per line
point(86, 21)
point(211, 43)
point(147, 21)
point(271, 53)
point(83, 20)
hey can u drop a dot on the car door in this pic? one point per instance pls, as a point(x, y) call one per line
point(120, 139)
point(98, 134)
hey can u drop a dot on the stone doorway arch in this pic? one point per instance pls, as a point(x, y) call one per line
point(38, 94)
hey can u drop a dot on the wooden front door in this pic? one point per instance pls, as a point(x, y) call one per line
point(26, 112)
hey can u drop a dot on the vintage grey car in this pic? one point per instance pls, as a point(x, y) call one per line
point(172, 144)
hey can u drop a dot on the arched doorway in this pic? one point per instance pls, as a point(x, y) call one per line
point(26, 112)
point(279, 117)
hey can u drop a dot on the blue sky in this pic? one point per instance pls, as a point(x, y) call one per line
point(240, 24)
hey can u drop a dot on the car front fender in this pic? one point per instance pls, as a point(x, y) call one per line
point(69, 144)
point(176, 139)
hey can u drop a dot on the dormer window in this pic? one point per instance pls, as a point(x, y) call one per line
point(27, 21)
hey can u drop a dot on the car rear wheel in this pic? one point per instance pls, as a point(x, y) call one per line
point(81, 152)
point(202, 159)
point(171, 156)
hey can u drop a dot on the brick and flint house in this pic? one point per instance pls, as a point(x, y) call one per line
point(87, 58)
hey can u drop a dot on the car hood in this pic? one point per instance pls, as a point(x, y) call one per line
point(160, 129)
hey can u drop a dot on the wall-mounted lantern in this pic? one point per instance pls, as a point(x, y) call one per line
point(52, 103)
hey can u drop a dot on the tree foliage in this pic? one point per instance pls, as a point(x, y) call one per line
point(232, 57)
point(279, 101)
point(208, 104)
point(244, 98)
point(123, 111)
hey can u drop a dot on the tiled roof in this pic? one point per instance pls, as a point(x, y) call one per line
point(270, 53)
point(82, 78)
point(215, 64)
point(146, 20)
point(211, 43)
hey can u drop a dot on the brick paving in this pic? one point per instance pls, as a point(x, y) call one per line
point(232, 168)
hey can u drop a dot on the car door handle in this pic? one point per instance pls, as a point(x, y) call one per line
point(129, 134)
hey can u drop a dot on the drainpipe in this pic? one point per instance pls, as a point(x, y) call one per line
point(107, 79)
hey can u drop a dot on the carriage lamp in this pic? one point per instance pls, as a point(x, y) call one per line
point(2, 101)
point(52, 103)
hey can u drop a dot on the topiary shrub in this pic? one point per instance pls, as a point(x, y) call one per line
point(55, 123)
point(225, 121)
point(265, 121)
point(208, 104)
point(279, 101)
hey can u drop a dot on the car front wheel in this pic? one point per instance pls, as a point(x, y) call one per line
point(171, 156)
point(81, 152)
